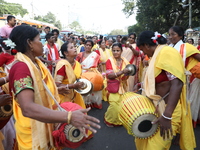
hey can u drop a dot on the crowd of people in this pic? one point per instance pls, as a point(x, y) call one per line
point(37, 76)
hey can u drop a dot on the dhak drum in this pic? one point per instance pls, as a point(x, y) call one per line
point(95, 78)
point(66, 135)
point(136, 114)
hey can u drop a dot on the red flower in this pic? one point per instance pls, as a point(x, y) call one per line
point(154, 41)
point(158, 35)
point(14, 51)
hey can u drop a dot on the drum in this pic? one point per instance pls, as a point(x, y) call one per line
point(5, 111)
point(66, 135)
point(136, 114)
point(95, 78)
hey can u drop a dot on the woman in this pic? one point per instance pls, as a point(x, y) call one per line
point(66, 72)
point(89, 62)
point(132, 54)
point(191, 56)
point(33, 107)
point(104, 55)
point(115, 71)
point(164, 85)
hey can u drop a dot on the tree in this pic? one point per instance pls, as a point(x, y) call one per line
point(49, 18)
point(76, 26)
point(117, 32)
point(159, 15)
point(11, 8)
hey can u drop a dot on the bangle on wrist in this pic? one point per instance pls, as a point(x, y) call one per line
point(67, 86)
point(168, 118)
point(4, 78)
point(69, 116)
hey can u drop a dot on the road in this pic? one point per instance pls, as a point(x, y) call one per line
point(116, 138)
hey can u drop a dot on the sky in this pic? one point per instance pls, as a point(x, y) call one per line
point(96, 15)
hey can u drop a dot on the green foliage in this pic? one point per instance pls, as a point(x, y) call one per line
point(11, 8)
point(160, 15)
point(75, 26)
point(49, 18)
point(117, 32)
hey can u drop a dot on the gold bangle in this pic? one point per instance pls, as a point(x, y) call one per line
point(69, 116)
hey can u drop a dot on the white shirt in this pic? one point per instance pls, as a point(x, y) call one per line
point(46, 51)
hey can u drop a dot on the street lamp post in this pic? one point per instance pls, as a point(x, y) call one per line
point(190, 14)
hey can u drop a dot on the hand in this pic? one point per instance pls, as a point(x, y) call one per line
point(82, 121)
point(53, 63)
point(165, 127)
point(78, 85)
point(49, 63)
point(5, 99)
point(126, 71)
point(63, 90)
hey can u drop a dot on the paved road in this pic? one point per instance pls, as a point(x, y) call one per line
point(116, 138)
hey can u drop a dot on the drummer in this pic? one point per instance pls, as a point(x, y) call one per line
point(66, 72)
point(164, 84)
point(115, 72)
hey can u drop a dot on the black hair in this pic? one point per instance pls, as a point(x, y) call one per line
point(145, 38)
point(82, 39)
point(124, 40)
point(20, 35)
point(64, 48)
point(132, 34)
point(89, 40)
point(55, 30)
point(47, 27)
point(119, 36)
point(100, 41)
point(10, 17)
point(48, 36)
point(179, 31)
point(191, 40)
point(117, 44)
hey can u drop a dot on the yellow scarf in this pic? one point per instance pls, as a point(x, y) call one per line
point(41, 132)
point(123, 83)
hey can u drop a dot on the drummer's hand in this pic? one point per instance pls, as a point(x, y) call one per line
point(78, 85)
point(63, 90)
point(5, 99)
point(82, 121)
point(165, 127)
point(126, 71)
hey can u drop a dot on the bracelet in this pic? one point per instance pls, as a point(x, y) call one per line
point(69, 116)
point(115, 74)
point(4, 79)
point(166, 117)
point(67, 86)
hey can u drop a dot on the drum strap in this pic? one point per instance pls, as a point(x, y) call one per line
point(51, 95)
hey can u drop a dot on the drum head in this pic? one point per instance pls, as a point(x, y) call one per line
point(132, 68)
point(86, 89)
point(142, 127)
point(73, 134)
point(6, 110)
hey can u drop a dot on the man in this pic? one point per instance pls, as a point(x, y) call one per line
point(6, 30)
point(57, 40)
point(51, 52)
point(47, 30)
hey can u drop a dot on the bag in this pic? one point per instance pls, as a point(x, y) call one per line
point(113, 86)
point(196, 70)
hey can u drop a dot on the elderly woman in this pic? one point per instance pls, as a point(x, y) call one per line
point(191, 56)
point(116, 84)
point(164, 85)
point(32, 84)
